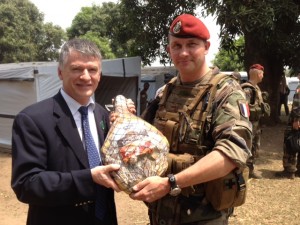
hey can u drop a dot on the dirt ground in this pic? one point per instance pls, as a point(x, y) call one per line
point(270, 201)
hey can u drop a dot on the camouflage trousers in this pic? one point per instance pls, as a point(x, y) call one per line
point(223, 220)
point(256, 134)
point(182, 210)
point(290, 161)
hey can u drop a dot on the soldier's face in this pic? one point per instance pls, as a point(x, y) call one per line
point(260, 76)
point(188, 54)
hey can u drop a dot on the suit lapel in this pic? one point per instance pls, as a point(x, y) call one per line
point(68, 129)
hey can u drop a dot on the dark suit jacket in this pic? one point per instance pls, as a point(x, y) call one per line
point(50, 169)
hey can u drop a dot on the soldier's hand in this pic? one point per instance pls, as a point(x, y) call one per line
point(151, 189)
point(296, 125)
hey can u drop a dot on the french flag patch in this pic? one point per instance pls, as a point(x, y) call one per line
point(244, 108)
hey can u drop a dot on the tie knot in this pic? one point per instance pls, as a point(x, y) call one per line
point(83, 110)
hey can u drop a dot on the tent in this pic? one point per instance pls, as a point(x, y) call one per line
point(22, 84)
point(119, 76)
point(156, 77)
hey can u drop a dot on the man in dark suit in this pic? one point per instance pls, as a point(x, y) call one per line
point(50, 165)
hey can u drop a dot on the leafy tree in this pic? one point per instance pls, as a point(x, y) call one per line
point(271, 32)
point(102, 43)
point(20, 28)
point(23, 36)
point(99, 24)
point(231, 60)
point(50, 42)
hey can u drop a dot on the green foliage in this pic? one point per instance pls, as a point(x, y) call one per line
point(99, 24)
point(51, 40)
point(102, 43)
point(23, 36)
point(20, 28)
point(231, 60)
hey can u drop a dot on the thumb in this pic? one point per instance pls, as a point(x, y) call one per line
point(112, 167)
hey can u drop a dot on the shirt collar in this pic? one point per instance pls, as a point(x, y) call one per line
point(73, 104)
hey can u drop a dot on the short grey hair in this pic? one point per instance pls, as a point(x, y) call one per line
point(83, 46)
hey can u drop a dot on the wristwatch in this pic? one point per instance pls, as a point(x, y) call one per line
point(175, 189)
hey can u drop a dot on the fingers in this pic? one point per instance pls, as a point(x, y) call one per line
point(140, 185)
point(130, 106)
point(147, 196)
point(112, 117)
point(101, 175)
point(150, 189)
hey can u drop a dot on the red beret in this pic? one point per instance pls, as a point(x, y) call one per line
point(257, 66)
point(188, 26)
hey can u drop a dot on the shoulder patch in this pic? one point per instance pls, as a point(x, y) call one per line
point(244, 108)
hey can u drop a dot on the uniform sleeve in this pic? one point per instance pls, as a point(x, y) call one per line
point(232, 131)
point(249, 94)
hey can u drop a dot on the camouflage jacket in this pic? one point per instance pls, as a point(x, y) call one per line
point(255, 98)
point(229, 128)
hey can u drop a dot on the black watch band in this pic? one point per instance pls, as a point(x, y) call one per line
point(175, 189)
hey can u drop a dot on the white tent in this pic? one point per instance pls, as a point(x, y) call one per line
point(22, 84)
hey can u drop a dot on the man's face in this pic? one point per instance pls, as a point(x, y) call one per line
point(188, 54)
point(80, 75)
point(260, 76)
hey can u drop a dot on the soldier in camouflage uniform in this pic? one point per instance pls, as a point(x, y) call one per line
point(256, 104)
point(203, 147)
point(291, 159)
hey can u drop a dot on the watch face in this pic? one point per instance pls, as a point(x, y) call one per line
point(176, 191)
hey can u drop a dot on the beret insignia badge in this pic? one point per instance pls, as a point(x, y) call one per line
point(177, 27)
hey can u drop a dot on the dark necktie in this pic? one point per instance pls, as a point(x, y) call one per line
point(94, 160)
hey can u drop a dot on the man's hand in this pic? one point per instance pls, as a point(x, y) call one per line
point(130, 106)
point(296, 125)
point(101, 175)
point(151, 189)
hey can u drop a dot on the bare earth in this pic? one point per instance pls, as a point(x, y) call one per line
point(270, 201)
